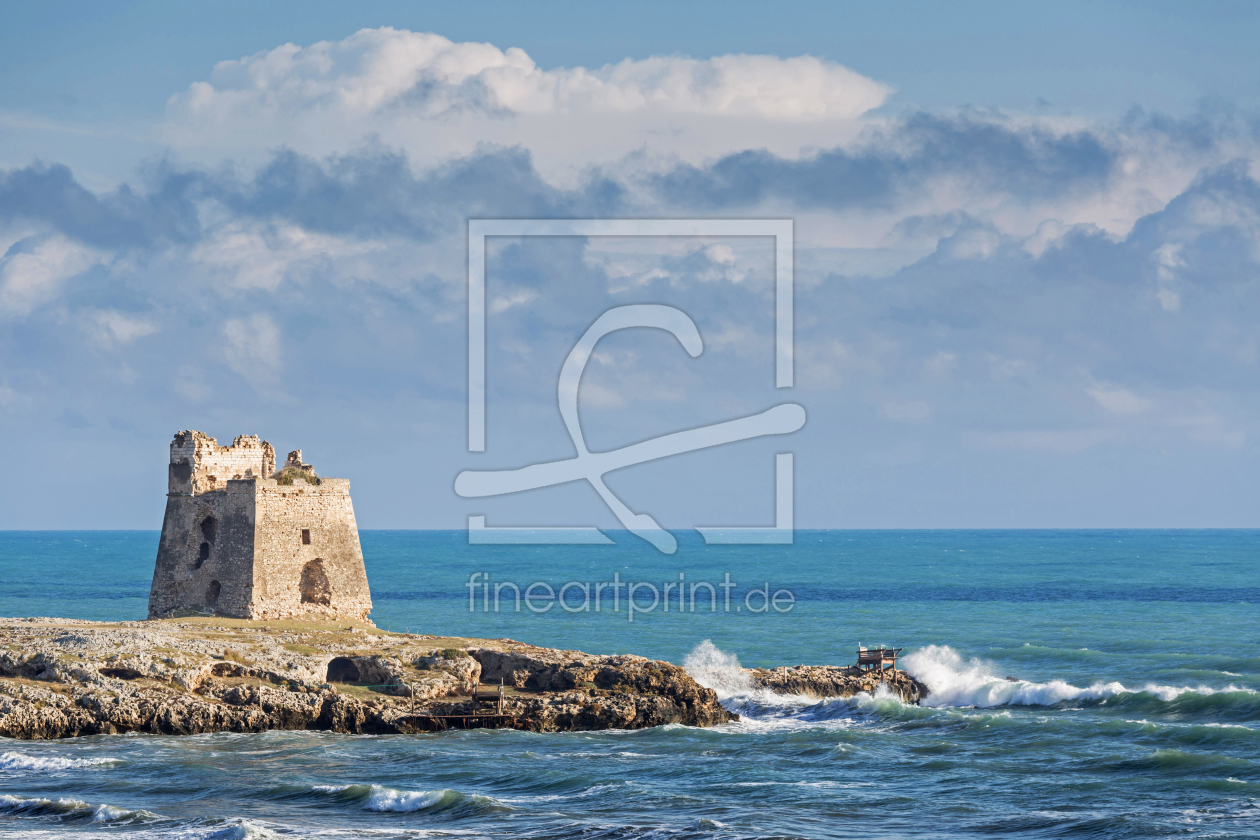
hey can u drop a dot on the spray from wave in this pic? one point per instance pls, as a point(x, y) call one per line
point(953, 682)
point(716, 669)
point(760, 707)
point(957, 682)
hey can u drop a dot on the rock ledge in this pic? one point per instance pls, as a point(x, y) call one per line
point(61, 678)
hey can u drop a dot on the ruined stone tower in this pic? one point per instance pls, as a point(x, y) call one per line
point(242, 539)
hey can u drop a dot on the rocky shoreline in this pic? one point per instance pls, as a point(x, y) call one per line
point(62, 678)
point(823, 681)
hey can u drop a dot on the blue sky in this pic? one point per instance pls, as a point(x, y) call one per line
point(1027, 244)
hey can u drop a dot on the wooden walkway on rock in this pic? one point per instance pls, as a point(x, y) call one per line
point(477, 719)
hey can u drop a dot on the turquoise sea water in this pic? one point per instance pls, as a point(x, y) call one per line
point(1134, 711)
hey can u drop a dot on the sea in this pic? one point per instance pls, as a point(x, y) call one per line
point(1099, 684)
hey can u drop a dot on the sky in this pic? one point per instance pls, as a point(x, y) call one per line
point(1026, 246)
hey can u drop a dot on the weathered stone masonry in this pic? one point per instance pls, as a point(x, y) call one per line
point(237, 542)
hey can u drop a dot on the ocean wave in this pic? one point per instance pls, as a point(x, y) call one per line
point(388, 799)
point(763, 710)
point(953, 682)
point(19, 761)
point(956, 682)
point(236, 830)
point(405, 801)
point(40, 807)
point(69, 809)
point(122, 816)
point(105, 828)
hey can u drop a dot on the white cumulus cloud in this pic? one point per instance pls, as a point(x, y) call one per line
point(435, 98)
point(32, 271)
point(425, 74)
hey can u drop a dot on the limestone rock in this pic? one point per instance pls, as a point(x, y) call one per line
point(62, 678)
point(824, 681)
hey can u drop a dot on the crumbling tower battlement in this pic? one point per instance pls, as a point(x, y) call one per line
point(242, 539)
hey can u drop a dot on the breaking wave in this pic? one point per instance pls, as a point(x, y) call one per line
point(954, 682)
point(716, 669)
point(72, 809)
point(957, 682)
point(18, 761)
point(761, 708)
point(387, 799)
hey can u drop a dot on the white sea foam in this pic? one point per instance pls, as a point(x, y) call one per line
point(20, 761)
point(243, 830)
point(953, 682)
point(762, 710)
point(110, 813)
point(113, 814)
point(957, 682)
point(391, 799)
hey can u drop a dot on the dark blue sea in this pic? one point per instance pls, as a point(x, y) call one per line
point(1134, 708)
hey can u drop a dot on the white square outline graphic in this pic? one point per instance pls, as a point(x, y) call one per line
point(780, 229)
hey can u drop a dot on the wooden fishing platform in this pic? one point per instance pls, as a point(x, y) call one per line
point(478, 719)
point(489, 721)
point(877, 659)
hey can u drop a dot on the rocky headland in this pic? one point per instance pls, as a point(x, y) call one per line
point(61, 678)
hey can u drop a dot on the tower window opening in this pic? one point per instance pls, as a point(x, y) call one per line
point(306, 536)
point(210, 529)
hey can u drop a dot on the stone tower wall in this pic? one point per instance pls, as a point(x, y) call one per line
point(236, 542)
point(199, 464)
point(206, 554)
point(316, 573)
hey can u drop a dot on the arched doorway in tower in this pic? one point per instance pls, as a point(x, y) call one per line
point(314, 585)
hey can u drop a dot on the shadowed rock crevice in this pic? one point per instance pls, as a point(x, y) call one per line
point(342, 669)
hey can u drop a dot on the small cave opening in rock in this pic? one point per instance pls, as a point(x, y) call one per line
point(314, 585)
point(203, 555)
point(120, 673)
point(210, 529)
point(212, 593)
point(342, 670)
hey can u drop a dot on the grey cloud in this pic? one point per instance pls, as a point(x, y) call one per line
point(891, 165)
point(371, 193)
point(121, 219)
